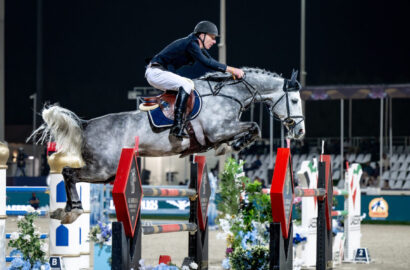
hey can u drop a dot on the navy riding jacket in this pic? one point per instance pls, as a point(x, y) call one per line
point(185, 51)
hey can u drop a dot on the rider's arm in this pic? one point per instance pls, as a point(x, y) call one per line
point(234, 71)
point(206, 60)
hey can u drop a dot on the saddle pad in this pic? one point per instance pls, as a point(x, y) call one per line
point(159, 120)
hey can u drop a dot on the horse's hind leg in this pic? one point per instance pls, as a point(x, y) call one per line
point(73, 208)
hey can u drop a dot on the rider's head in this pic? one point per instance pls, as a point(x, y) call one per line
point(206, 33)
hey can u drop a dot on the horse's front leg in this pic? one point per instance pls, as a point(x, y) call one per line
point(233, 131)
point(253, 133)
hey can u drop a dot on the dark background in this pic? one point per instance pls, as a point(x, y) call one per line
point(93, 52)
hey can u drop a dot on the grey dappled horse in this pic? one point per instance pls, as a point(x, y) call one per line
point(98, 142)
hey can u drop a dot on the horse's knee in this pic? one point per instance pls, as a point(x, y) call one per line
point(255, 128)
point(67, 171)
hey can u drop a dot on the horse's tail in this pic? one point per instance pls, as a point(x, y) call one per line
point(62, 126)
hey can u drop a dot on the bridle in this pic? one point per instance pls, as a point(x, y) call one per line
point(288, 86)
point(291, 85)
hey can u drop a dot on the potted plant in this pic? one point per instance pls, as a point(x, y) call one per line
point(29, 250)
point(101, 234)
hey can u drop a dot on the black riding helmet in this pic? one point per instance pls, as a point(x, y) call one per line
point(206, 27)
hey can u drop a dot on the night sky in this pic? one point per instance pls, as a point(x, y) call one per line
point(94, 51)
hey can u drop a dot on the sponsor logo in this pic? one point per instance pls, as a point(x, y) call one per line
point(181, 204)
point(312, 224)
point(378, 208)
point(355, 220)
point(149, 205)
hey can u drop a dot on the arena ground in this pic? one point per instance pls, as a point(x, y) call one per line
point(389, 246)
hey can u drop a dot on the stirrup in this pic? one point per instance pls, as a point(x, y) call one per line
point(179, 132)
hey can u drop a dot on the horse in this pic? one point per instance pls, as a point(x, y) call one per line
point(98, 142)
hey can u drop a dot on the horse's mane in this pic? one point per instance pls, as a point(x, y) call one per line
point(218, 76)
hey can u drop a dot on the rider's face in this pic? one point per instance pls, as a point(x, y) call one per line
point(209, 41)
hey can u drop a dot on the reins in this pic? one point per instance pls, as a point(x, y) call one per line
point(215, 91)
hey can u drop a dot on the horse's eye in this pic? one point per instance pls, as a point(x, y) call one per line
point(294, 100)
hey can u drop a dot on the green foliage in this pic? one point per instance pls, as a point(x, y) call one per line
point(27, 240)
point(245, 214)
point(255, 257)
point(100, 234)
point(231, 187)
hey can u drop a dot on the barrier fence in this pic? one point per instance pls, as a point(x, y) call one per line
point(127, 195)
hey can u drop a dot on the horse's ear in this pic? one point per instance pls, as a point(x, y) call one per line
point(294, 76)
point(293, 84)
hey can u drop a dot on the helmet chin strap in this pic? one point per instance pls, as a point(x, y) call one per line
point(203, 41)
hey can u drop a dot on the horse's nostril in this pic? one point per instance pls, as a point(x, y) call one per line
point(301, 131)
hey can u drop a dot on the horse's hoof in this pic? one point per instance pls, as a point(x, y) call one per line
point(237, 146)
point(222, 149)
point(71, 216)
point(59, 213)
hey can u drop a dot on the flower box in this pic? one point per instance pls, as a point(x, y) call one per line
point(102, 256)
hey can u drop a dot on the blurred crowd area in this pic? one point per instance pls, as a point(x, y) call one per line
point(395, 175)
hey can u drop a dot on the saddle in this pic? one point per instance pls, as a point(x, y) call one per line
point(160, 109)
point(166, 102)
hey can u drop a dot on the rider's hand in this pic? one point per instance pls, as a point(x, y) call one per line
point(236, 72)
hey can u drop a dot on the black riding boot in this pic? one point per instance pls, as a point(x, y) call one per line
point(177, 129)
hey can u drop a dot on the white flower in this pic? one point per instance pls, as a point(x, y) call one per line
point(30, 209)
point(26, 237)
point(19, 218)
point(185, 267)
point(44, 247)
point(226, 227)
point(43, 267)
point(99, 238)
point(193, 265)
point(37, 233)
point(14, 236)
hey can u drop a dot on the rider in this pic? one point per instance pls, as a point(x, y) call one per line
point(161, 74)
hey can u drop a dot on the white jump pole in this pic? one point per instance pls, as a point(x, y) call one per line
point(4, 155)
point(353, 207)
point(308, 176)
point(352, 204)
point(68, 240)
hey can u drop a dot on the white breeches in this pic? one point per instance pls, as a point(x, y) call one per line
point(166, 80)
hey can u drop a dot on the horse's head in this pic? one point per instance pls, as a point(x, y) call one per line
point(283, 97)
point(289, 108)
